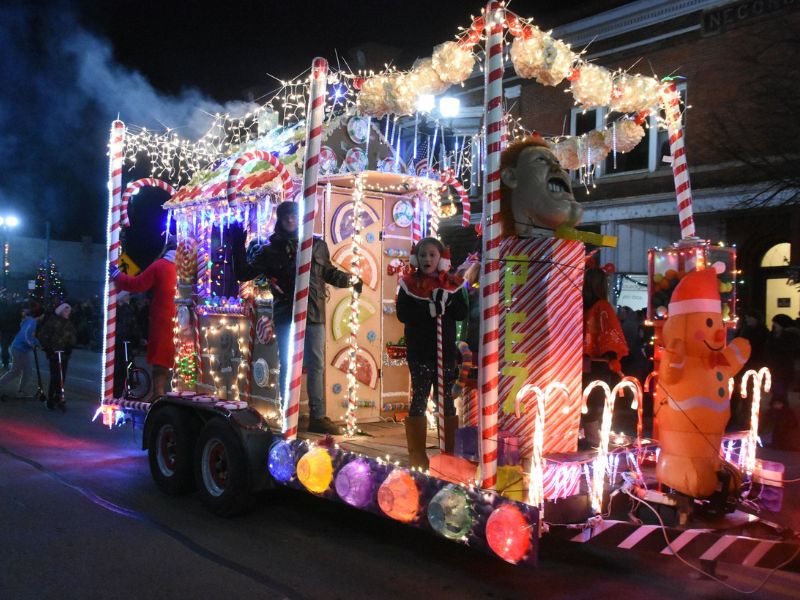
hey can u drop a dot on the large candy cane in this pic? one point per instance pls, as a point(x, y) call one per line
point(316, 113)
point(236, 169)
point(490, 265)
point(760, 377)
point(671, 102)
point(135, 186)
point(116, 158)
point(448, 178)
point(416, 228)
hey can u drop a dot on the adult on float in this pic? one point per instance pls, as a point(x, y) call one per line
point(604, 345)
point(160, 278)
point(425, 294)
point(276, 262)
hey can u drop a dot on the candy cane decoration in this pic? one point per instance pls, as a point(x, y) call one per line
point(440, 380)
point(198, 347)
point(637, 404)
point(116, 158)
point(416, 228)
point(315, 112)
point(490, 265)
point(671, 102)
point(236, 169)
point(536, 480)
point(133, 187)
point(251, 316)
point(762, 376)
point(449, 178)
point(601, 462)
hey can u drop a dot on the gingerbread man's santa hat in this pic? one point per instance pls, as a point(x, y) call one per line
point(697, 292)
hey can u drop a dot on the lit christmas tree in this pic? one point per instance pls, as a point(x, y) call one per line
point(48, 289)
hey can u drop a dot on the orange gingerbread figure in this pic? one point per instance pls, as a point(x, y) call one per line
point(692, 400)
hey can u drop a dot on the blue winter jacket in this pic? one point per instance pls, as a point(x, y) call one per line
point(25, 340)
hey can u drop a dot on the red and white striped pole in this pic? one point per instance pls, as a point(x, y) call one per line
point(315, 115)
point(440, 380)
point(115, 159)
point(671, 102)
point(490, 264)
point(416, 228)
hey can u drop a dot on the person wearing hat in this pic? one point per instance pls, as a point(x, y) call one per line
point(160, 279)
point(57, 335)
point(276, 262)
point(426, 294)
point(22, 349)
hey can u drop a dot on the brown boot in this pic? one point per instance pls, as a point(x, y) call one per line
point(450, 426)
point(416, 433)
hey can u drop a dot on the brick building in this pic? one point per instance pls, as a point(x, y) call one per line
point(737, 61)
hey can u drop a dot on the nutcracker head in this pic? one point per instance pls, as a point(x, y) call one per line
point(535, 190)
point(695, 313)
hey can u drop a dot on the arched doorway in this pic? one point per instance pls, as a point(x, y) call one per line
point(780, 295)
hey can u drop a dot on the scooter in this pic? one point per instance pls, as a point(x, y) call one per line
point(39, 395)
point(62, 402)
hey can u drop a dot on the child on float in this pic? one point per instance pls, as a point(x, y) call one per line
point(427, 292)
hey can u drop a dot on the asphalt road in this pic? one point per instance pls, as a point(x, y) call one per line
point(80, 518)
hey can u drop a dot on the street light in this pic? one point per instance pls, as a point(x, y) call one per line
point(6, 222)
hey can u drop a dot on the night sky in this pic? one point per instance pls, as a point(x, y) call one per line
point(69, 67)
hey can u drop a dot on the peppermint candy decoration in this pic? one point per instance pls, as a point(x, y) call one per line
point(265, 330)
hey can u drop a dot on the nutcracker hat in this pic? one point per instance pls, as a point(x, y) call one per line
point(697, 292)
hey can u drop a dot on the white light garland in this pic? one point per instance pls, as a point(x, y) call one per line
point(354, 323)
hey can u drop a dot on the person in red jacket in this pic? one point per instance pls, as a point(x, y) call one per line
point(160, 278)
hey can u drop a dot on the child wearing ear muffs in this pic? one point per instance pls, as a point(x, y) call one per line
point(426, 293)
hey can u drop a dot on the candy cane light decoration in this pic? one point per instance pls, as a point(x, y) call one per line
point(488, 375)
point(133, 188)
point(238, 166)
point(536, 478)
point(449, 178)
point(116, 157)
point(297, 331)
point(761, 378)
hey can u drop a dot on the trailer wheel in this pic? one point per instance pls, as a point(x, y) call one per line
point(169, 451)
point(220, 470)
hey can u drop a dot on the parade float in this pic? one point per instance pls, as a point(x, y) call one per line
point(329, 143)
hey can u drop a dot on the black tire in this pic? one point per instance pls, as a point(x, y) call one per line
point(138, 384)
point(169, 451)
point(220, 470)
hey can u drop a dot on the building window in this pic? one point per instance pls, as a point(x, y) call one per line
point(777, 256)
point(648, 155)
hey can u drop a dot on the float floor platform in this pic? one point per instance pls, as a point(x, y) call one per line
point(378, 440)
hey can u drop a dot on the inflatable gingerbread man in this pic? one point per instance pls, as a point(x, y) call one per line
point(692, 403)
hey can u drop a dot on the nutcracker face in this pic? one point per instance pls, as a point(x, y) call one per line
point(542, 193)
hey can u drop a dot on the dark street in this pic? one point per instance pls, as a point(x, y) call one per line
point(82, 519)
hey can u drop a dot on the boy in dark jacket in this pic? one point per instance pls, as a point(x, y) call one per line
point(276, 261)
point(57, 335)
point(424, 295)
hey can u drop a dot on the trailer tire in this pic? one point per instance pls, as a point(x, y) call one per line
point(169, 450)
point(220, 470)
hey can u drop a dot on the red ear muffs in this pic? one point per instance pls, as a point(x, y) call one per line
point(444, 260)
